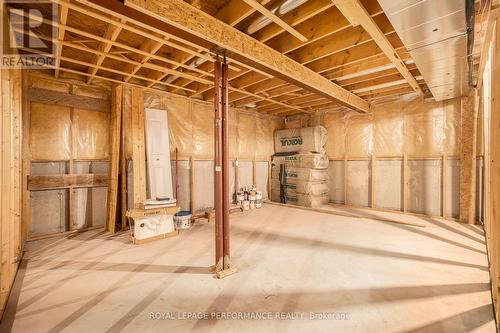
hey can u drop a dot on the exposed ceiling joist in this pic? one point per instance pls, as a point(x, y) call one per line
point(354, 11)
point(183, 20)
point(273, 17)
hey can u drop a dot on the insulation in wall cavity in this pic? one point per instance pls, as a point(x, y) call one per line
point(246, 134)
point(245, 173)
point(91, 134)
point(48, 212)
point(184, 189)
point(389, 184)
point(335, 143)
point(89, 208)
point(203, 131)
point(50, 127)
point(336, 172)
point(424, 187)
point(358, 185)
point(82, 167)
point(180, 126)
point(452, 188)
point(48, 168)
point(261, 177)
point(388, 131)
point(359, 135)
point(203, 185)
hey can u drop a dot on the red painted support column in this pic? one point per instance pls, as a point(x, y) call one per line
point(218, 179)
point(225, 165)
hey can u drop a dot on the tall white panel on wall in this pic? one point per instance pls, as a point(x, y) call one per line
point(158, 154)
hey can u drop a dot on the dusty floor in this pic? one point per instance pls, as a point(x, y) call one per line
point(360, 275)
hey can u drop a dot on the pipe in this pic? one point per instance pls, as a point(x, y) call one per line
point(218, 181)
point(225, 164)
point(469, 15)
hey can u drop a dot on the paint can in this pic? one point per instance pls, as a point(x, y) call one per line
point(252, 196)
point(258, 204)
point(182, 219)
point(258, 195)
point(245, 205)
point(252, 204)
point(240, 196)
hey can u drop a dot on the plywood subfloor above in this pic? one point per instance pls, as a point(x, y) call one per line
point(384, 277)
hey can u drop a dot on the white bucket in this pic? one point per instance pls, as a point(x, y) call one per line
point(245, 205)
point(258, 204)
point(183, 220)
point(258, 195)
point(240, 196)
point(252, 197)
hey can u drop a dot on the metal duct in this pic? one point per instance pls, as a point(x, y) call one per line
point(435, 34)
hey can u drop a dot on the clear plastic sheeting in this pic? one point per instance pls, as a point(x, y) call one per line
point(452, 190)
point(91, 134)
point(358, 185)
point(424, 187)
point(203, 185)
point(336, 172)
point(336, 128)
point(47, 168)
point(262, 176)
point(389, 185)
point(91, 167)
point(89, 208)
point(388, 131)
point(359, 135)
point(203, 131)
point(245, 173)
point(180, 126)
point(414, 127)
point(184, 189)
point(247, 136)
point(48, 212)
point(191, 128)
point(50, 127)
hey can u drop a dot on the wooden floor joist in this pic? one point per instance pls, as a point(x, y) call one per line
point(176, 17)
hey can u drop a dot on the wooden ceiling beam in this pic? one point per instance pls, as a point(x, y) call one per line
point(150, 47)
point(273, 17)
point(111, 34)
point(354, 11)
point(293, 18)
point(179, 18)
point(322, 25)
point(63, 17)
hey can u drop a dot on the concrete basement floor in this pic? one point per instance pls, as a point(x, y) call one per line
point(364, 275)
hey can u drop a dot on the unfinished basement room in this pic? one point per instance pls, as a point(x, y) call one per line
point(250, 166)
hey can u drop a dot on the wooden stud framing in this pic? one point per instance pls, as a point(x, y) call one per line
point(114, 149)
point(444, 181)
point(138, 147)
point(373, 164)
point(405, 183)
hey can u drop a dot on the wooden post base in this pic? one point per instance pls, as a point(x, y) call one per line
point(226, 272)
